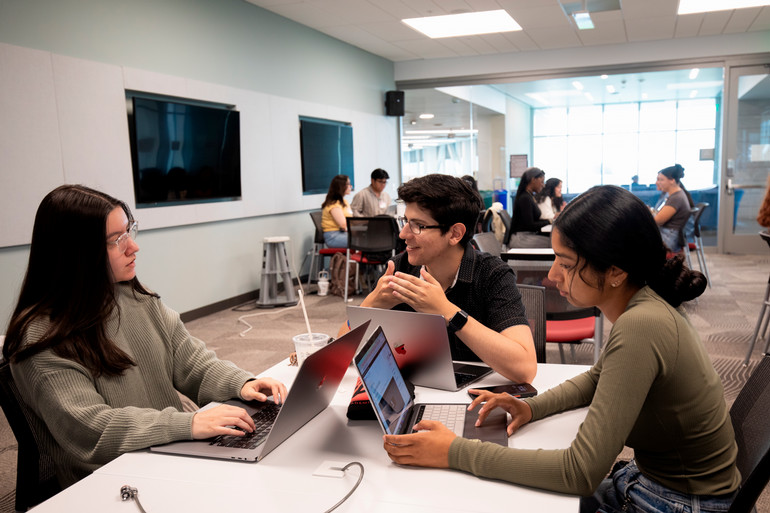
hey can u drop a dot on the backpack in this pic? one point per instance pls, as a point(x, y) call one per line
point(337, 271)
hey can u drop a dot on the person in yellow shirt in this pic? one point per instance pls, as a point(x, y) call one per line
point(335, 209)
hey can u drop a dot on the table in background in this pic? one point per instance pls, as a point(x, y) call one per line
point(284, 480)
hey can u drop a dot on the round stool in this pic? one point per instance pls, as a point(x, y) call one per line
point(275, 264)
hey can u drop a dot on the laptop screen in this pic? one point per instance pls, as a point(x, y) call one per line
point(386, 387)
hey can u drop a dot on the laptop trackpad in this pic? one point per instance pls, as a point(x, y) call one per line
point(493, 429)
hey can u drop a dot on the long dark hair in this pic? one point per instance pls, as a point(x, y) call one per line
point(548, 191)
point(608, 226)
point(529, 175)
point(337, 188)
point(676, 173)
point(69, 283)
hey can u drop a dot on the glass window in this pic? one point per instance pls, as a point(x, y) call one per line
point(699, 174)
point(654, 116)
point(696, 114)
point(585, 162)
point(585, 120)
point(549, 122)
point(620, 158)
point(621, 118)
point(550, 155)
point(656, 151)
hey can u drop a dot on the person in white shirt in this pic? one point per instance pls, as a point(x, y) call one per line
point(373, 200)
point(550, 200)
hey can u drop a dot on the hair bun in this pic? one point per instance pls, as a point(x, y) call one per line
point(676, 283)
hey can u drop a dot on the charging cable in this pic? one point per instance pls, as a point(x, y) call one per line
point(360, 477)
point(130, 493)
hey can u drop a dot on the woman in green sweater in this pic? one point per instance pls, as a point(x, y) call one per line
point(653, 388)
point(99, 358)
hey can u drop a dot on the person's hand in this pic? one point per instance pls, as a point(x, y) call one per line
point(428, 448)
point(519, 410)
point(259, 389)
point(424, 295)
point(382, 296)
point(221, 420)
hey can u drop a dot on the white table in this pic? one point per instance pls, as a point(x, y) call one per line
point(284, 480)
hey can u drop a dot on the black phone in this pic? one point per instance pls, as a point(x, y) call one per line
point(519, 390)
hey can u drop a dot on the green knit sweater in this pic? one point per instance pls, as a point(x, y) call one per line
point(653, 389)
point(91, 421)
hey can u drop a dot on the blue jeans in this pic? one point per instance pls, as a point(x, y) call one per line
point(671, 239)
point(336, 239)
point(628, 490)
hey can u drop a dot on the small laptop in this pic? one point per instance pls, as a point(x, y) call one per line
point(394, 403)
point(314, 387)
point(421, 345)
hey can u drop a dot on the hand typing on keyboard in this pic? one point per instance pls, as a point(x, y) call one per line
point(519, 410)
point(221, 420)
point(427, 448)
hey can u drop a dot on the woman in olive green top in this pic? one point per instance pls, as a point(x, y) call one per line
point(653, 388)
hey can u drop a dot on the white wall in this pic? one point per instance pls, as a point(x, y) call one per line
point(63, 67)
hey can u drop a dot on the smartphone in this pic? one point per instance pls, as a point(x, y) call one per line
point(519, 390)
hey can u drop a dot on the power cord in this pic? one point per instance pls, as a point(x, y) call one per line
point(129, 493)
point(360, 477)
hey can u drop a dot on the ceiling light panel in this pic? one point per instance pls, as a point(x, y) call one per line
point(466, 24)
point(696, 6)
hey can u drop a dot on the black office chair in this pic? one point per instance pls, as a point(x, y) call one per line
point(750, 414)
point(35, 474)
point(488, 243)
point(533, 298)
point(373, 239)
point(507, 222)
point(697, 242)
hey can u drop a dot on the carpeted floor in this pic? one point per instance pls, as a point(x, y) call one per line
point(725, 316)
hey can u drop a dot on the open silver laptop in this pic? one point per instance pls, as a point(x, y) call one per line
point(421, 346)
point(394, 403)
point(313, 389)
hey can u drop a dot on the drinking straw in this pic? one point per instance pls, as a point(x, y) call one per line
point(304, 312)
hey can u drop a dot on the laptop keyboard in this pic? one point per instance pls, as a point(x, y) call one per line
point(263, 422)
point(451, 415)
point(463, 378)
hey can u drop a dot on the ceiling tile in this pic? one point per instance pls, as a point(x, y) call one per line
point(500, 43)
point(426, 7)
point(648, 29)
point(459, 45)
point(763, 20)
point(688, 25)
point(545, 16)
point(479, 45)
point(426, 48)
point(642, 8)
point(552, 38)
point(714, 23)
point(391, 31)
point(484, 5)
point(741, 20)
point(522, 41)
point(453, 6)
point(609, 29)
point(306, 14)
point(353, 12)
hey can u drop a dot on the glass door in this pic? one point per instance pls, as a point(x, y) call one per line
point(746, 161)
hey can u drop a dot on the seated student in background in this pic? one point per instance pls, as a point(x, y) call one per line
point(549, 199)
point(653, 389)
point(675, 212)
point(98, 357)
point(525, 222)
point(441, 273)
point(373, 200)
point(334, 210)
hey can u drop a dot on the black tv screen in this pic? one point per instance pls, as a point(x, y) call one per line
point(326, 148)
point(183, 152)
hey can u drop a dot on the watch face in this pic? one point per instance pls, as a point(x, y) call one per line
point(458, 321)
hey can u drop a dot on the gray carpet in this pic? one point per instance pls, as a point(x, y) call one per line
point(725, 316)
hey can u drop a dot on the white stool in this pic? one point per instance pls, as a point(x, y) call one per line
point(275, 263)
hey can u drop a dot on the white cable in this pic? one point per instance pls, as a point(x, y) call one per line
point(347, 496)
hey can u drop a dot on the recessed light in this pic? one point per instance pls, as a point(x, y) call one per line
point(695, 6)
point(604, 77)
point(693, 93)
point(694, 73)
point(583, 20)
point(611, 89)
point(577, 85)
point(465, 24)
point(427, 116)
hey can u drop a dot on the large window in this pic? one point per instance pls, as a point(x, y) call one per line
point(608, 144)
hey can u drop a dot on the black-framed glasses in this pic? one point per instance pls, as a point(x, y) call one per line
point(122, 242)
point(416, 227)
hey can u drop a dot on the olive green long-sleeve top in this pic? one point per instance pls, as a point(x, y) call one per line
point(653, 389)
point(91, 421)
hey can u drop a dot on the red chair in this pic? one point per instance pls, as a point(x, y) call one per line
point(319, 252)
point(576, 331)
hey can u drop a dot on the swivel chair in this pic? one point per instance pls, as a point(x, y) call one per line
point(319, 252)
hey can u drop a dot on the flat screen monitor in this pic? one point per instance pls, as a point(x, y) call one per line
point(183, 152)
point(326, 148)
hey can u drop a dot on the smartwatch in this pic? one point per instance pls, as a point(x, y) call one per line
point(457, 321)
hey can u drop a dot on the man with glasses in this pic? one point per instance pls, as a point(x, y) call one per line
point(373, 200)
point(442, 273)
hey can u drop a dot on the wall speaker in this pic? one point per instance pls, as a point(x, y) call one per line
point(394, 103)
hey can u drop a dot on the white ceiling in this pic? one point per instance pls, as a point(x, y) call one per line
point(375, 25)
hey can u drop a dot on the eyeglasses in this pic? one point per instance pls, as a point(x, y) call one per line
point(122, 242)
point(416, 227)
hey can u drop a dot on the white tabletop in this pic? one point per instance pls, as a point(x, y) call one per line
point(531, 251)
point(284, 480)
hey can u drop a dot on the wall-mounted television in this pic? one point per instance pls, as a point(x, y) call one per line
point(183, 151)
point(327, 150)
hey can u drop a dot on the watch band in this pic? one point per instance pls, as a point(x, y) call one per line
point(457, 322)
